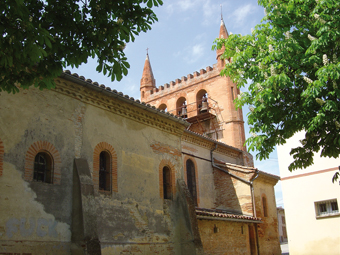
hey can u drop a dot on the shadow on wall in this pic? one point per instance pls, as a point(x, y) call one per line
point(226, 197)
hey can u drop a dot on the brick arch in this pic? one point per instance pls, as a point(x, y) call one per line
point(200, 87)
point(196, 175)
point(33, 150)
point(104, 146)
point(166, 162)
point(2, 151)
point(166, 106)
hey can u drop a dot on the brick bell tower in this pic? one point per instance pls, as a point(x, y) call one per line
point(233, 118)
point(204, 98)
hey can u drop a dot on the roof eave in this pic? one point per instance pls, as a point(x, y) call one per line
point(124, 98)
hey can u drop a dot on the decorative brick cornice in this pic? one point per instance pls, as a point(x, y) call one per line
point(168, 164)
point(191, 80)
point(210, 144)
point(2, 152)
point(117, 103)
point(197, 140)
point(104, 146)
point(47, 147)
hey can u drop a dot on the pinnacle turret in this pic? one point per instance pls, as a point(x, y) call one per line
point(223, 34)
point(148, 81)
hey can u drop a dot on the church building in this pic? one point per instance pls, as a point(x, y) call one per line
point(85, 169)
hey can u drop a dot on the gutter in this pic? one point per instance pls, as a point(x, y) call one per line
point(250, 183)
point(226, 219)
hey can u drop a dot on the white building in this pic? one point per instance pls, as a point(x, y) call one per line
point(311, 203)
point(281, 220)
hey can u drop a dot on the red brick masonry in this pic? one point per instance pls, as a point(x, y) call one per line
point(34, 149)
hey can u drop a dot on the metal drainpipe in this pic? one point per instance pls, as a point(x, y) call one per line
point(254, 210)
point(250, 183)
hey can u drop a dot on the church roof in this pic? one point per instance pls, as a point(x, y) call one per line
point(81, 80)
point(246, 169)
point(218, 214)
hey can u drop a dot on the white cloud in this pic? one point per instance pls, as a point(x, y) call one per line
point(211, 10)
point(241, 13)
point(186, 4)
point(169, 9)
point(197, 50)
point(195, 53)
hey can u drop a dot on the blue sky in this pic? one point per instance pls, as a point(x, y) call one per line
point(180, 43)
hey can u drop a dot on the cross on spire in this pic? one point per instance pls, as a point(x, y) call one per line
point(147, 51)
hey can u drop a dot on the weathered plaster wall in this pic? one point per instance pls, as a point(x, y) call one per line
point(232, 194)
point(36, 217)
point(199, 151)
point(268, 230)
point(34, 212)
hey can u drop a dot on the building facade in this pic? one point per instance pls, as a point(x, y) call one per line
point(85, 169)
point(311, 203)
point(281, 218)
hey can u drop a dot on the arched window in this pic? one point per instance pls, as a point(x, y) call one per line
point(43, 163)
point(143, 94)
point(191, 180)
point(202, 101)
point(166, 183)
point(105, 171)
point(265, 208)
point(181, 107)
point(43, 168)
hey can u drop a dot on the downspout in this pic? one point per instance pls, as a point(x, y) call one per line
point(254, 209)
point(250, 183)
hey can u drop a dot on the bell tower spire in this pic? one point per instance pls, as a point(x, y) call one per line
point(148, 81)
point(223, 34)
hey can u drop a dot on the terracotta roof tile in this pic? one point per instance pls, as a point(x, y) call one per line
point(89, 82)
point(218, 213)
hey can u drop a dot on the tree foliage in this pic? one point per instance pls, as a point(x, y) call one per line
point(40, 37)
point(292, 62)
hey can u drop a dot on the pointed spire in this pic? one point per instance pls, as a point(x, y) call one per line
point(148, 80)
point(223, 34)
point(223, 30)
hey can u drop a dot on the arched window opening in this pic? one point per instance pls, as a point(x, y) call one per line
point(191, 180)
point(143, 94)
point(163, 107)
point(166, 183)
point(181, 107)
point(43, 168)
point(104, 171)
point(202, 101)
point(264, 204)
